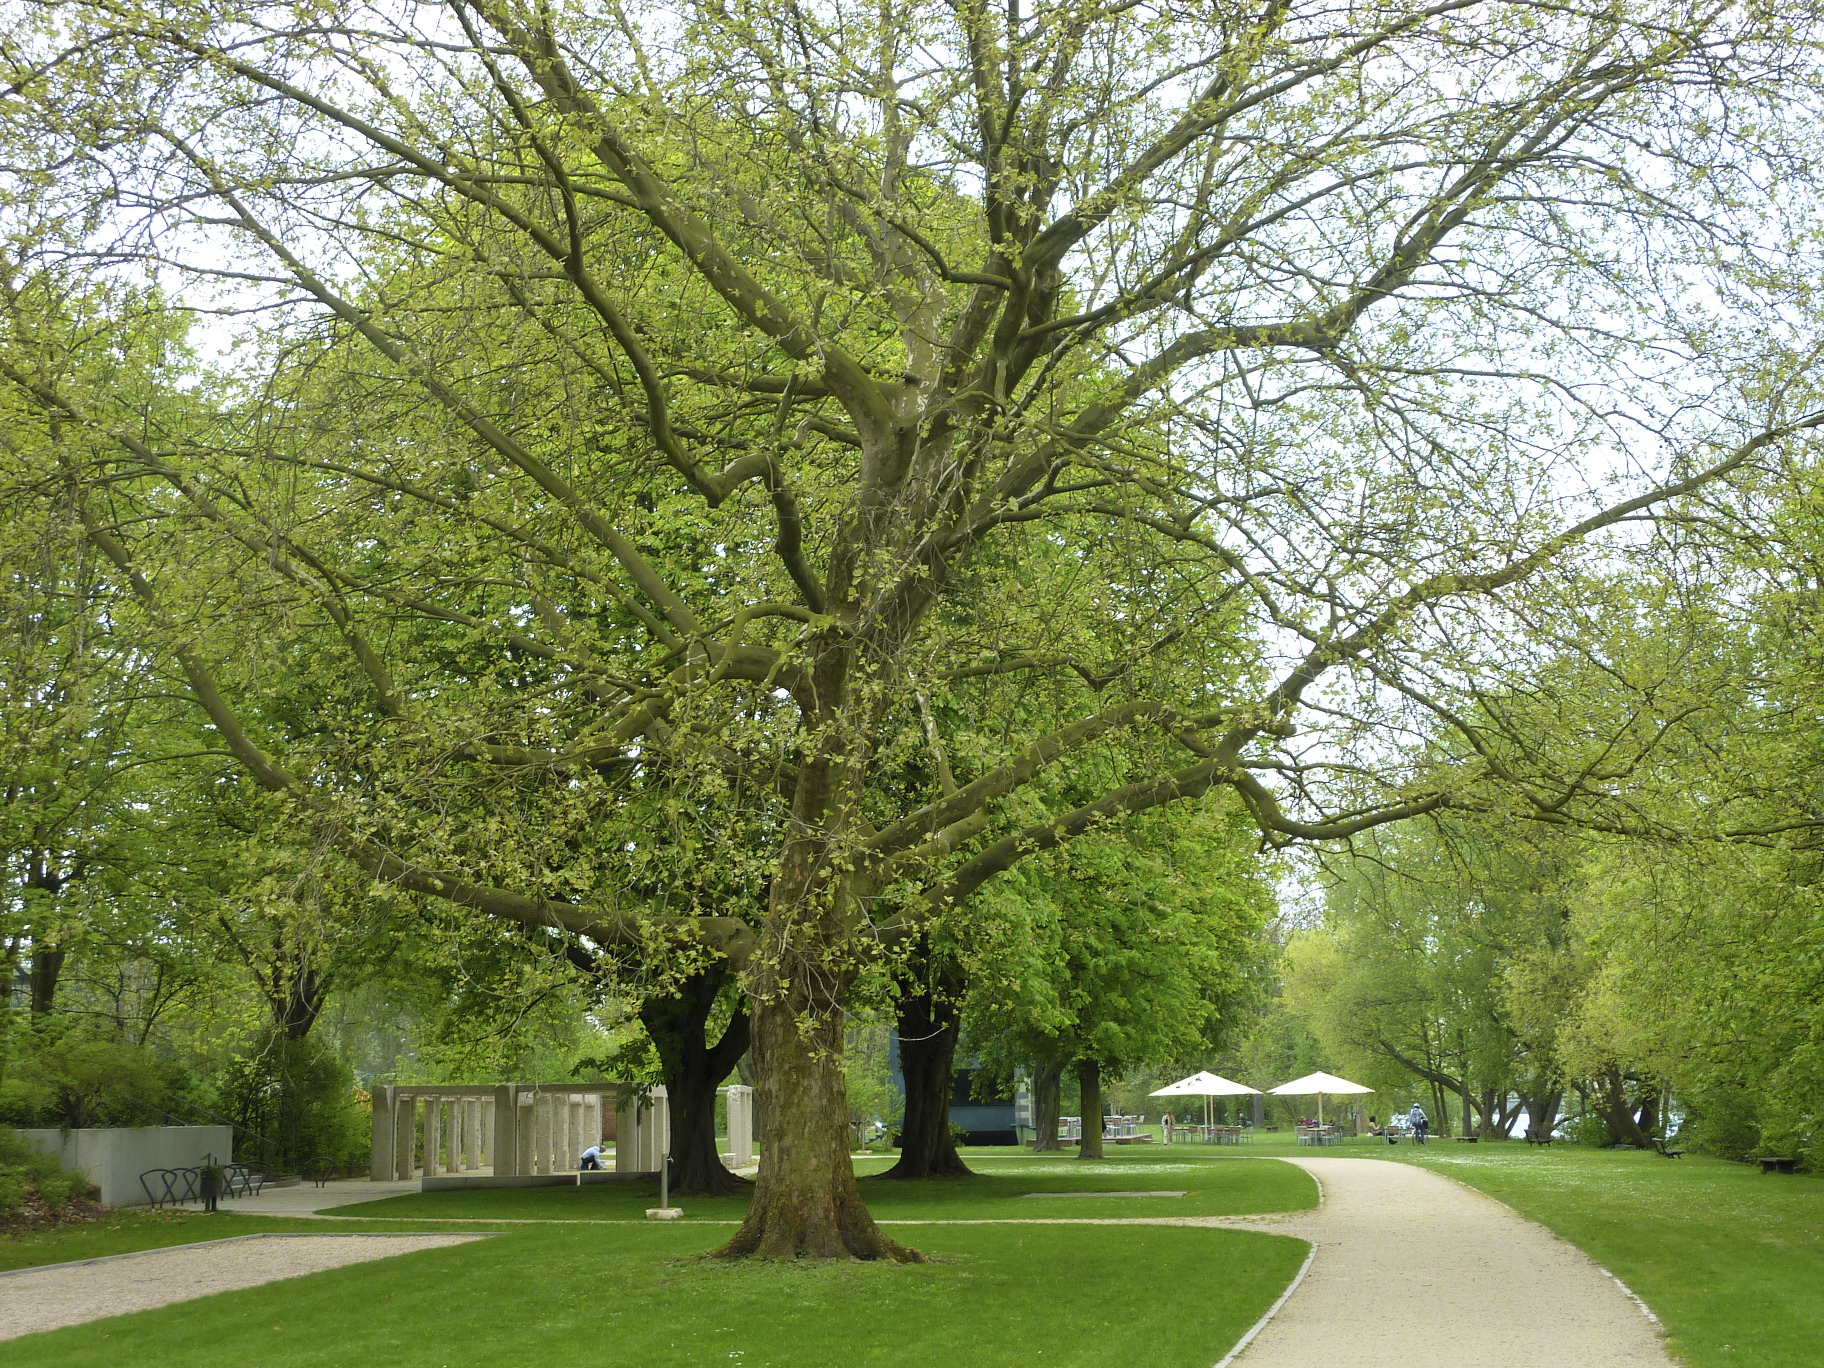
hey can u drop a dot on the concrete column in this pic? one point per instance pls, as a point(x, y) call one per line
point(405, 1136)
point(380, 1158)
point(452, 1135)
point(432, 1115)
point(592, 1120)
point(526, 1128)
point(471, 1134)
point(626, 1133)
point(484, 1145)
point(578, 1129)
point(740, 1125)
point(504, 1114)
point(541, 1126)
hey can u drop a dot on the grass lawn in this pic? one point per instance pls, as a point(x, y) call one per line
point(641, 1294)
point(1216, 1182)
point(1731, 1260)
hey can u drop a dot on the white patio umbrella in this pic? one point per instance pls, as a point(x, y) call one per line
point(1318, 1083)
point(1205, 1085)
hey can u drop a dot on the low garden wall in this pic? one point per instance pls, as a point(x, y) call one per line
point(113, 1157)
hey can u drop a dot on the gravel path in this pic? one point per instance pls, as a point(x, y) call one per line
point(1409, 1264)
point(69, 1294)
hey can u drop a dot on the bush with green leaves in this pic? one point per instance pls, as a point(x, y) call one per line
point(294, 1101)
point(25, 1171)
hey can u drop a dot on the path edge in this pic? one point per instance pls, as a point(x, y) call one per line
point(236, 1239)
point(1272, 1311)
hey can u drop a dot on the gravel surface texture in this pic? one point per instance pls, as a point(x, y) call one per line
point(1411, 1266)
point(69, 1294)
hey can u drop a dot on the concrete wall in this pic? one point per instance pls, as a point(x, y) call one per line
point(113, 1157)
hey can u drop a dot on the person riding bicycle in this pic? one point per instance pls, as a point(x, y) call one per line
point(1419, 1122)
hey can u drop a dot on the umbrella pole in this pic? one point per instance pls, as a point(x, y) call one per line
point(1320, 1109)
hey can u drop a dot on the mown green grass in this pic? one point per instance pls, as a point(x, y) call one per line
point(1215, 1183)
point(1731, 1260)
point(570, 1295)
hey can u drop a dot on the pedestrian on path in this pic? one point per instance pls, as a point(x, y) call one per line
point(592, 1158)
point(1419, 1122)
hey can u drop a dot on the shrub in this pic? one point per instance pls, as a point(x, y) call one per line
point(298, 1100)
point(25, 1171)
point(84, 1075)
point(1589, 1129)
point(1725, 1122)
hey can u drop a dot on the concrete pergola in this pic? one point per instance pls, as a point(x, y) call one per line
point(530, 1134)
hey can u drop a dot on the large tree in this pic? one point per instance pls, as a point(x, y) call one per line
point(633, 393)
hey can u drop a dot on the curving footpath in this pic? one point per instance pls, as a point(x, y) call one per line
point(1405, 1262)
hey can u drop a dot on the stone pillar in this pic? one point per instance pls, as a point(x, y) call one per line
point(452, 1134)
point(471, 1134)
point(541, 1127)
point(592, 1120)
point(526, 1128)
point(503, 1112)
point(740, 1125)
point(578, 1129)
point(432, 1115)
point(380, 1158)
point(626, 1132)
point(405, 1137)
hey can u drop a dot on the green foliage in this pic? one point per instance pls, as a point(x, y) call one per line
point(295, 1101)
point(25, 1172)
point(1591, 1131)
point(83, 1074)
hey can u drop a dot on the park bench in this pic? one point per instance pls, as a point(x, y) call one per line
point(1777, 1164)
point(1659, 1147)
point(1466, 1139)
point(1543, 1139)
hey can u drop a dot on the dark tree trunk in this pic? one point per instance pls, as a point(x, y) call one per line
point(928, 1016)
point(297, 1000)
point(1047, 1081)
point(1089, 1080)
point(1611, 1101)
point(47, 969)
point(694, 1069)
point(806, 1202)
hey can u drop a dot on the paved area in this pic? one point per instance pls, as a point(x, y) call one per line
point(1406, 1262)
point(308, 1197)
point(70, 1294)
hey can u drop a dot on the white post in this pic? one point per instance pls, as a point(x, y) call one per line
point(740, 1125)
point(484, 1143)
point(452, 1122)
point(471, 1134)
point(661, 1129)
point(527, 1148)
point(542, 1127)
point(431, 1114)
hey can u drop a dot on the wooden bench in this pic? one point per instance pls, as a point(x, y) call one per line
point(1774, 1164)
point(1466, 1139)
point(1659, 1147)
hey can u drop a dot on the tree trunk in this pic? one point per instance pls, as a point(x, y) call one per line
point(1611, 1101)
point(806, 1202)
point(1089, 1080)
point(47, 969)
point(928, 1016)
point(1047, 1081)
point(694, 1069)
